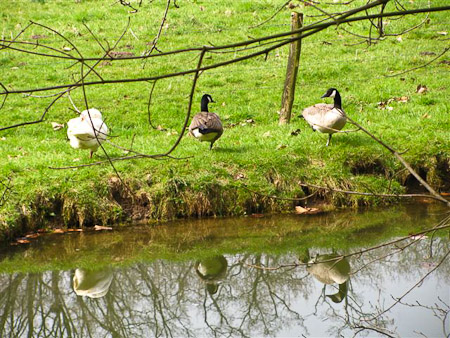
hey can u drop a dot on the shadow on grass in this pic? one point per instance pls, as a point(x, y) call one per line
point(228, 150)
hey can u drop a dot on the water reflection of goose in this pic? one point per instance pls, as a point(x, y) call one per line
point(212, 270)
point(331, 269)
point(93, 284)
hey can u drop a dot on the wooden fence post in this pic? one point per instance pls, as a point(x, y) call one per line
point(291, 71)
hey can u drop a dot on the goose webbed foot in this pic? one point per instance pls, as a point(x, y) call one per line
point(329, 139)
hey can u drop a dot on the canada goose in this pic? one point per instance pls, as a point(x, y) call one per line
point(206, 126)
point(212, 271)
point(330, 269)
point(326, 118)
point(83, 129)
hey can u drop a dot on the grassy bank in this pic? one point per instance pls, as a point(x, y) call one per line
point(255, 157)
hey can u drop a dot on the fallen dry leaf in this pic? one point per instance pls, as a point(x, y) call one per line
point(308, 211)
point(426, 116)
point(67, 49)
point(239, 176)
point(281, 146)
point(23, 241)
point(37, 37)
point(101, 227)
point(402, 99)
point(75, 230)
point(32, 236)
point(57, 126)
point(421, 89)
point(442, 33)
point(120, 55)
point(445, 193)
point(427, 53)
point(58, 231)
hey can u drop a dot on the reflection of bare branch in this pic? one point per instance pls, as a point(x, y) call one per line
point(371, 328)
point(399, 299)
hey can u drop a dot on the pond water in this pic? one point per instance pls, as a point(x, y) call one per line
point(274, 276)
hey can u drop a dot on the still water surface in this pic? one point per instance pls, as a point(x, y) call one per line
point(275, 276)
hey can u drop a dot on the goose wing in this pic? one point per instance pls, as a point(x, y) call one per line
point(317, 111)
point(206, 123)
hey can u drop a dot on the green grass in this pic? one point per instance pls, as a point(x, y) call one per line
point(266, 156)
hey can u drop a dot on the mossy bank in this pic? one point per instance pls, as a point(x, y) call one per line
point(255, 159)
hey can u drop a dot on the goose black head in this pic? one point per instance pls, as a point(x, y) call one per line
point(206, 99)
point(332, 92)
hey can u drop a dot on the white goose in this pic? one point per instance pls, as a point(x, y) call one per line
point(87, 131)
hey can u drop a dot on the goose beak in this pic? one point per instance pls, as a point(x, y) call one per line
point(324, 95)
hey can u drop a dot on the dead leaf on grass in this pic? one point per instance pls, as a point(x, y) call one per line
point(58, 231)
point(32, 235)
point(120, 54)
point(239, 176)
point(57, 126)
point(427, 53)
point(37, 37)
point(23, 241)
point(421, 89)
point(402, 99)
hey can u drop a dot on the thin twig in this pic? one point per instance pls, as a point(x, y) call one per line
point(349, 192)
point(149, 104)
point(421, 66)
point(405, 164)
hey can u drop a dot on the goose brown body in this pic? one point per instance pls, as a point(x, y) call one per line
point(326, 118)
point(206, 126)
